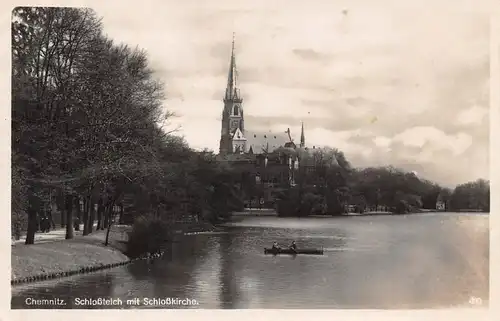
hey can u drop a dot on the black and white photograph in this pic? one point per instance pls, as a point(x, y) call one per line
point(250, 155)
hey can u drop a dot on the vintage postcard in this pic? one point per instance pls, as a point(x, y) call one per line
point(250, 155)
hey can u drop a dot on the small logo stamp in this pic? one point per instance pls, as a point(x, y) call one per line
point(474, 300)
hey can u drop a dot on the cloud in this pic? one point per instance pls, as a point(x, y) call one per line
point(432, 138)
point(309, 54)
point(475, 115)
point(403, 83)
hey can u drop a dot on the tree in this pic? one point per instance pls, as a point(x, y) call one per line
point(84, 110)
point(323, 176)
point(45, 44)
point(471, 196)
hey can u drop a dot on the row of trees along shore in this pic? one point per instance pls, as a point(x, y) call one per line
point(88, 127)
point(328, 184)
point(89, 134)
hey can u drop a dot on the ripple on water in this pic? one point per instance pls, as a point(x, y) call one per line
point(327, 237)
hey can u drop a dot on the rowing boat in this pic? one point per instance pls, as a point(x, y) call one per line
point(292, 251)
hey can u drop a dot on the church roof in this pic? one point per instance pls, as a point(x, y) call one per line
point(259, 141)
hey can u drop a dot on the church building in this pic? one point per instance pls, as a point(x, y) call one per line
point(234, 138)
point(269, 159)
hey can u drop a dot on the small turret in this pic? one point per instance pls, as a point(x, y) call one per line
point(302, 137)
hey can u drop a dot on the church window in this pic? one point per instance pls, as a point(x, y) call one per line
point(254, 136)
point(236, 110)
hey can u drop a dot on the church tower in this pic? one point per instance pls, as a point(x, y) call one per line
point(232, 139)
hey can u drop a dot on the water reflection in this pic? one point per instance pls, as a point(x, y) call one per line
point(95, 286)
point(228, 285)
point(419, 261)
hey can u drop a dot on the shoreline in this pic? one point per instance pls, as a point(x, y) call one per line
point(61, 258)
point(80, 255)
point(378, 213)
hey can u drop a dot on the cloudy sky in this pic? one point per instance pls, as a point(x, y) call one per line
point(387, 82)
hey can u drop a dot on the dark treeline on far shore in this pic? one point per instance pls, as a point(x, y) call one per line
point(89, 145)
point(330, 185)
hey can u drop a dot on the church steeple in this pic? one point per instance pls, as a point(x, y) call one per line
point(232, 91)
point(233, 125)
point(302, 137)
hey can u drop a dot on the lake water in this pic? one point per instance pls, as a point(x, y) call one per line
point(433, 260)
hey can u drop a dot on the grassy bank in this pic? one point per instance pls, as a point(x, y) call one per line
point(60, 256)
point(53, 255)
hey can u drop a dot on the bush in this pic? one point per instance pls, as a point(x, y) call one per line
point(320, 207)
point(288, 203)
point(148, 235)
point(334, 205)
point(309, 203)
point(286, 207)
point(401, 207)
point(294, 202)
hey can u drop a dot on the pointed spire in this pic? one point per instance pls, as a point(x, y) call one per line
point(302, 137)
point(232, 91)
point(233, 42)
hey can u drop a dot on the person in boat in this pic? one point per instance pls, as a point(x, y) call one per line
point(275, 246)
point(293, 246)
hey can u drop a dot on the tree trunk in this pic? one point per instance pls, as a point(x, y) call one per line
point(100, 210)
point(60, 206)
point(110, 221)
point(78, 218)
point(92, 216)
point(63, 211)
point(49, 212)
point(69, 217)
point(32, 225)
point(106, 216)
point(33, 204)
point(88, 221)
point(121, 214)
point(50, 217)
point(86, 208)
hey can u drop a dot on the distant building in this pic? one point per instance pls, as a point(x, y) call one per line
point(441, 203)
point(440, 206)
point(269, 159)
